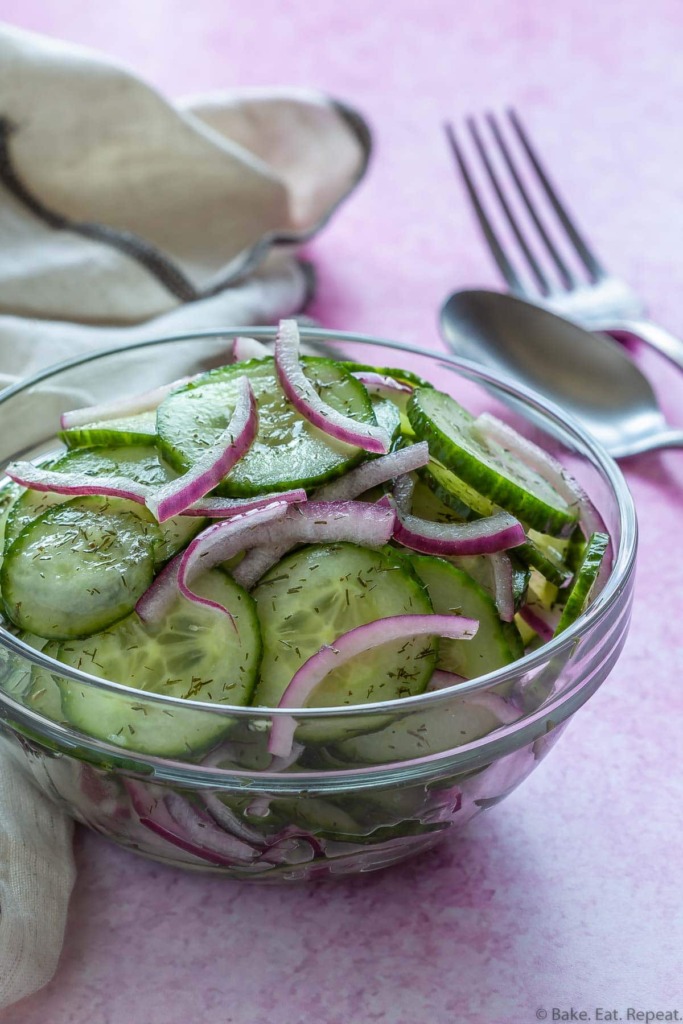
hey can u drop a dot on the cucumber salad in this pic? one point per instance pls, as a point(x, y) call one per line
point(286, 531)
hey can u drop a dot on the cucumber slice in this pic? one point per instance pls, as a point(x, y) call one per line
point(138, 463)
point(576, 549)
point(455, 493)
point(27, 508)
point(420, 734)
point(79, 567)
point(480, 569)
point(197, 653)
point(35, 687)
point(586, 575)
point(288, 451)
point(316, 815)
point(428, 504)
point(9, 495)
point(487, 467)
point(126, 430)
point(313, 596)
point(547, 560)
point(521, 577)
point(452, 591)
point(44, 695)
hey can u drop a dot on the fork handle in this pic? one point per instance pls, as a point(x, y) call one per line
point(652, 334)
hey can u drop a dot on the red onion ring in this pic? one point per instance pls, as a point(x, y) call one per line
point(377, 471)
point(131, 405)
point(205, 833)
point(536, 620)
point(174, 497)
point(225, 508)
point(249, 348)
point(318, 522)
point(348, 645)
point(311, 406)
point(381, 384)
point(502, 585)
point(76, 484)
point(442, 680)
point(479, 537)
point(403, 494)
point(219, 541)
point(153, 815)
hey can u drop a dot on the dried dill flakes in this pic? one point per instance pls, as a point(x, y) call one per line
point(192, 655)
point(352, 586)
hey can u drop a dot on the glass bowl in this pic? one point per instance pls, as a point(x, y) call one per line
point(368, 786)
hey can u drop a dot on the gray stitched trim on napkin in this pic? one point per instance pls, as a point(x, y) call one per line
point(132, 245)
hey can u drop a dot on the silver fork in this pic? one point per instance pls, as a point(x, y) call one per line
point(598, 300)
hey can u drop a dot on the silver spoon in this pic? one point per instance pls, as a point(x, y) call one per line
point(587, 374)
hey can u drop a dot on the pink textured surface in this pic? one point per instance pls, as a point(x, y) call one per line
point(568, 894)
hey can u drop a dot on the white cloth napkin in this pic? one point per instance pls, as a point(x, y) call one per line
point(124, 217)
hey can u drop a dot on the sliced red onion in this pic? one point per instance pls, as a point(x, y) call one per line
point(166, 833)
point(230, 535)
point(504, 711)
point(496, 780)
point(541, 623)
point(249, 348)
point(318, 522)
point(280, 764)
point(205, 833)
point(174, 497)
point(403, 494)
point(479, 537)
point(312, 407)
point(349, 645)
point(131, 405)
point(258, 561)
point(502, 585)
point(376, 471)
point(224, 508)
point(554, 473)
point(230, 821)
point(154, 816)
point(260, 806)
point(283, 847)
point(441, 680)
point(292, 846)
point(76, 484)
point(382, 384)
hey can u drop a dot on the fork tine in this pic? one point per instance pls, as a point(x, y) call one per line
point(507, 209)
point(589, 260)
point(504, 265)
point(568, 279)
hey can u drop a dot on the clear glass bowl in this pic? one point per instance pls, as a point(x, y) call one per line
point(369, 786)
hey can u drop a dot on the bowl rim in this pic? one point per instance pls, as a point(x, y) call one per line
point(569, 429)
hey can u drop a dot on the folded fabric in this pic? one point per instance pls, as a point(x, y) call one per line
point(125, 217)
point(36, 877)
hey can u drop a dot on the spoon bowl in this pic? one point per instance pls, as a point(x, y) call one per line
point(587, 374)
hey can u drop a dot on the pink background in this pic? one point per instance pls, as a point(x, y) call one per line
point(568, 895)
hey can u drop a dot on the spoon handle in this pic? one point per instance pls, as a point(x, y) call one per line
point(653, 335)
point(666, 438)
point(670, 438)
